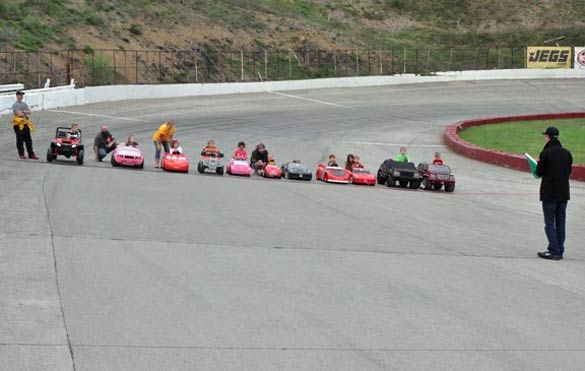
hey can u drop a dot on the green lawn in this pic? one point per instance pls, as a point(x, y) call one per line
point(525, 136)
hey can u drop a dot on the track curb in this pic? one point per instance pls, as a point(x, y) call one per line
point(509, 160)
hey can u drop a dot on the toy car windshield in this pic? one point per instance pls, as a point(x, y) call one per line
point(67, 133)
point(336, 171)
point(297, 166)
point(360, 171)
point(403, 165)
point(443, 169)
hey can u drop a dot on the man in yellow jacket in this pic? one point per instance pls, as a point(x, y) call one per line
point(23, 127)
point(162, 138)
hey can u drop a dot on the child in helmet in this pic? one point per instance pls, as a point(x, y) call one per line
point(176, 147)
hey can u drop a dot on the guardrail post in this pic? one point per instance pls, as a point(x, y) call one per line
point(357, 63)
point(404, 61)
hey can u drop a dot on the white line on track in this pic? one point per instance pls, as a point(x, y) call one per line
point(399, 144)
point(102, 116)
point(309, 99)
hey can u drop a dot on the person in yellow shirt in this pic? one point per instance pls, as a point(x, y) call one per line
point(162, 139)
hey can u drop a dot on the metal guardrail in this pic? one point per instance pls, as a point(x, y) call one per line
point(106, 67)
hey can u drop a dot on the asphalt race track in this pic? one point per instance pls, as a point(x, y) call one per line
point(146, 270)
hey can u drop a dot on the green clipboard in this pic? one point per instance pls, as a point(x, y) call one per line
point(532, 164)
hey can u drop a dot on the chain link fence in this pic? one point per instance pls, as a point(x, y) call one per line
point(106, 67)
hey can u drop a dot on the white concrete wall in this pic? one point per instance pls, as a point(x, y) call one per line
point(52, 98)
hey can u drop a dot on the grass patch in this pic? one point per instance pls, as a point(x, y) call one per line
point(525, 136)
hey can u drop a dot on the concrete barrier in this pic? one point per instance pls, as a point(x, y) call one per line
point(513, 161)
point(59, 97)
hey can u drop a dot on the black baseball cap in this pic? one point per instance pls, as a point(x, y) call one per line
point(551, 131)
point(19, 92)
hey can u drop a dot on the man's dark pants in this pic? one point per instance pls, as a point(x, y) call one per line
point(103, 151)
point(555, 213)
point(23, 137)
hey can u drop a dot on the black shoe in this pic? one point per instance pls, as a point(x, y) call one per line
point(549, 256)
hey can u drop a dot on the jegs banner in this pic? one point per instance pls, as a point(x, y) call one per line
point(549, 57)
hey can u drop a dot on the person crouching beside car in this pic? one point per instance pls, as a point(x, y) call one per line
point(103, 144)
point(259, 157)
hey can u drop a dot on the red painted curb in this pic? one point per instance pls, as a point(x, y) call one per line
point(518, 162)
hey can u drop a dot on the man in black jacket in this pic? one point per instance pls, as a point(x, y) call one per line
point(259, 157)
point(554, 166)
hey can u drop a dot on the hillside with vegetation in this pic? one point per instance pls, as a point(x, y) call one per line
point(32, 25)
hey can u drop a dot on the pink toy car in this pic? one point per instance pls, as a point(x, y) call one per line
point(128, 156)
point(238, 167)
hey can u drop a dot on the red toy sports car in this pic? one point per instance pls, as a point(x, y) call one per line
point(176, 162)
point(362, 176)
point(272, 171)
point(332, 174)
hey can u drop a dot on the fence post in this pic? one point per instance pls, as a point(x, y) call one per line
point(487, 58)
point(241, 65)
point(289, 66)
point(334, 63)
point(450, 60)
point(254, 69)
point(357, 63)
point(196, 67)
point(512, 58)
point(136, 67)
point(381, 64)
point(265, 65)
point(278, 64)
point(404, 61)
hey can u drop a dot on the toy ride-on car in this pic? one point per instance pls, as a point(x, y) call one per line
point(211, 162)
point(128, 156)
point(66, 143)
point(436, 177)
point(360, 175)
point(272, 171)
point(239, 167)
point(176, 162)
point(332, 174)
point(296, 170)
point(404, 174)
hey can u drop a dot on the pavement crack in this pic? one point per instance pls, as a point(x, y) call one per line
point(56, 267)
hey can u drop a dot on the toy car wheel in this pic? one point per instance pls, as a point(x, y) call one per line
point(390, 181)
point(437, 187)
point(379, 178)
point(80, 154)
point(414, 185)
point(113, 161)
point(450, 187)
point(427, 185)
point(219, 170)
point(200, 167)
point(402, 183)
point(49, 155)
point(325, 178)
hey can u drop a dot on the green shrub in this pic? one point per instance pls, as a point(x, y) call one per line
point(135, 29)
